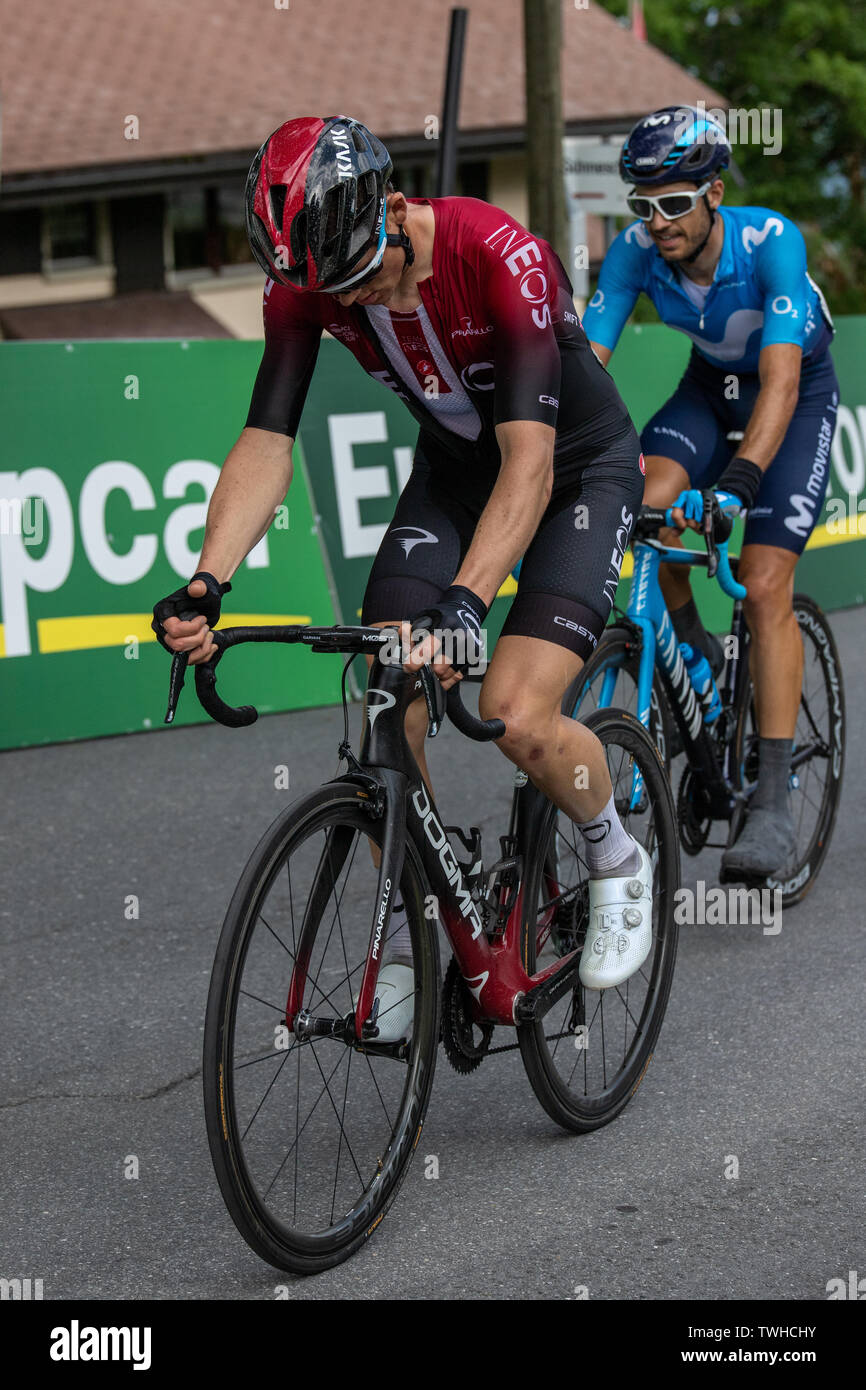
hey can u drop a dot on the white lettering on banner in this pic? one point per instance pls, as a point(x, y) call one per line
point(116, 476)
point(185, 521)
point(19, 570)
point(352, 484)
point(22, 572)
point(851, 475)
point(403, 458)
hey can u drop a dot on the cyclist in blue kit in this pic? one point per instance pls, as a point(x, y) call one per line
point(735, 281)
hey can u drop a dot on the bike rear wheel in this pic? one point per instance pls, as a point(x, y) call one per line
point(586, 1058)
point(818, 754)
point(617, 657)
point(311, 1138)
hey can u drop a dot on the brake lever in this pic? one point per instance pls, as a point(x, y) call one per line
point(177, 675)
point(710, 507)
point(428, 685)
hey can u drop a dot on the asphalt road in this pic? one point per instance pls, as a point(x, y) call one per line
point(761, 1057)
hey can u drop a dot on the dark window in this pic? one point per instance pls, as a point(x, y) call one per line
point(20, 252)
point(186, 211)
point(71, 233)
point(234, 247)
point(473, 179)
point(208, 228)
point(413, 180)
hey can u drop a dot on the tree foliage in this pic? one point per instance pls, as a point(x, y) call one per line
point(808, 62)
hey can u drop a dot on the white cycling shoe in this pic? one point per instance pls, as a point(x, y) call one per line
point(395, 989)
point(620, 932)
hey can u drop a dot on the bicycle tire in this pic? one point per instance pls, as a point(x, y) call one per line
point(796, 878)
point(268, 1234)
point(573, 1112)
point(619, 646)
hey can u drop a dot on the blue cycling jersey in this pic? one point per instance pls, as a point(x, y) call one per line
point(761, 293)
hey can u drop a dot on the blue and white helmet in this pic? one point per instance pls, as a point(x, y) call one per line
point(678, 142)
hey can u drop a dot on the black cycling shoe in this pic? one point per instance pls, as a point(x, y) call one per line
point(765, 844)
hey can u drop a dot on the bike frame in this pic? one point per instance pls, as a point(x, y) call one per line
point(390, 782)
point(648, 612)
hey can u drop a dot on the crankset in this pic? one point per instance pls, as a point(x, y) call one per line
point(465, 1041)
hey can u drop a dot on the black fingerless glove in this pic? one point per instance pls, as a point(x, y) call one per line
point(460, 611)
point(181, 601)
point(743, 478)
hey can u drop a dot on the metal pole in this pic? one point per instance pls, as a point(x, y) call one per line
point(542, 23)
point(446, 170)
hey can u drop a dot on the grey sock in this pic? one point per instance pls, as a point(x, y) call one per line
point(774, 772)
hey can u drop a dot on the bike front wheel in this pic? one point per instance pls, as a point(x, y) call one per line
point(586, 1058)
point(311, 1137)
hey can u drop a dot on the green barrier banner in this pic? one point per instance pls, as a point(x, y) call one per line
point(111, 451)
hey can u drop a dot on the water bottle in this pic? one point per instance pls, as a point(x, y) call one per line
point(701, 678)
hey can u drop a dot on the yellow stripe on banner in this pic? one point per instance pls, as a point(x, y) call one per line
point(116, 629)
point(822, 535)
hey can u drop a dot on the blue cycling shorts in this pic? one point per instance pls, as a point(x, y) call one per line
point(692, 428)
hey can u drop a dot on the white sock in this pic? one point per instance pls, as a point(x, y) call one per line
point(398, 947)
point(610, 850)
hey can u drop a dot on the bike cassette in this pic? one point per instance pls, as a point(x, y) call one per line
point(464, 1040)
point(693, 817)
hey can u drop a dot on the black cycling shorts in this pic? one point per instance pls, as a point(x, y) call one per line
point(570, 572)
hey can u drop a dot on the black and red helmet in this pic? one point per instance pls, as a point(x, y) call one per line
point(315, 200)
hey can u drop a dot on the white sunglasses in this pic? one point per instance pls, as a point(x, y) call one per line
point(670, 206)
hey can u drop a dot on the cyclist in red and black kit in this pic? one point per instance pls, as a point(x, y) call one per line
point(525, 449)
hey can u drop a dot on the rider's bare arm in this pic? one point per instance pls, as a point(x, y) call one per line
point(253, 482)
point(779, 371)
point(514, 509)
point(602, 353)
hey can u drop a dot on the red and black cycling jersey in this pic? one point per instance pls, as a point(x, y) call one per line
point(496, 338)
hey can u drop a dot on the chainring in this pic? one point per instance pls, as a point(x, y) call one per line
point(693, 816)
point(464, 1049)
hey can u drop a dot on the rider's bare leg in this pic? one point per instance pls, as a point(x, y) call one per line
point(665, 480)
point(524, 686)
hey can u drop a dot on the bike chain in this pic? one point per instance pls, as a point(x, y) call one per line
point(462, 1051)
point(455, 1022)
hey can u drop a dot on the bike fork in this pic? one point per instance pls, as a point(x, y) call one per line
point(392, 786)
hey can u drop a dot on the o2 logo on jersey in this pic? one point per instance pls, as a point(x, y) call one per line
point(783, 305)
